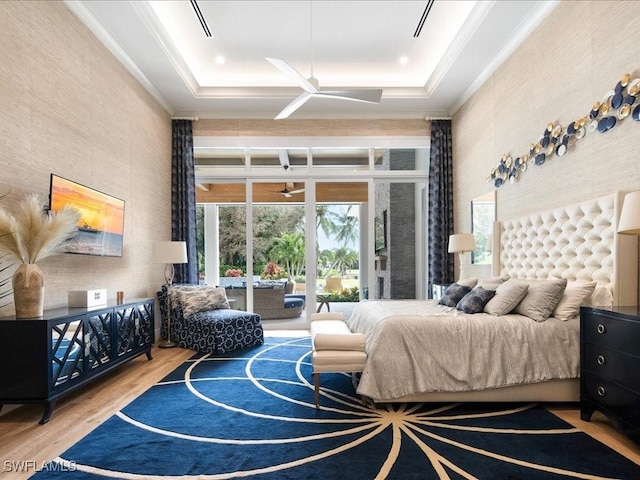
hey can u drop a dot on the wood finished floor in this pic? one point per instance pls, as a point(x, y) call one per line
point(23, 439)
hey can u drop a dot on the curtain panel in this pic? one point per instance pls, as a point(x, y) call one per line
point(183, 198)
point(440, 262)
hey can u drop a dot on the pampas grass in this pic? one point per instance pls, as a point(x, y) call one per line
point(31, 234)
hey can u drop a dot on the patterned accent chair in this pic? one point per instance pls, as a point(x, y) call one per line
point(211, 331)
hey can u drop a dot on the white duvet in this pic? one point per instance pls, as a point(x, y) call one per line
point(417, 346)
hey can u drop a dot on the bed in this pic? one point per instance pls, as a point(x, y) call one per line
point(419, 350)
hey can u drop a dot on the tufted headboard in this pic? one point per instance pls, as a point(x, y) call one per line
point(578, 242)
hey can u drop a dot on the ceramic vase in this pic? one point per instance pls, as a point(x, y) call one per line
point(28, 291)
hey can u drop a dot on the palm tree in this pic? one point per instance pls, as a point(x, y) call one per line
point(288, 250)
point(325, 261)
point(325, 220)
point(343, 258)
point(348, 227)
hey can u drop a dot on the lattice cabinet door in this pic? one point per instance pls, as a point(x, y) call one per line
point(125, 329)
point(67, 353)
point(98, 339)
point(144, 324)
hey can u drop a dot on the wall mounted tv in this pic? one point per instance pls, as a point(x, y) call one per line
point(101, 225)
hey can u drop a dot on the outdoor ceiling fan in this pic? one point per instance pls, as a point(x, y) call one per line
point(290, 190)
point(311, 89)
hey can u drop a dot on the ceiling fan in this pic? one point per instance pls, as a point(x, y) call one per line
point(290, 190)
point(311, 89)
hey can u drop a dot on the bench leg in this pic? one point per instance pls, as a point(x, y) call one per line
point(316, 386)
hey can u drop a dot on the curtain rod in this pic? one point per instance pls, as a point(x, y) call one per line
point(437, 118)
point(195, 119)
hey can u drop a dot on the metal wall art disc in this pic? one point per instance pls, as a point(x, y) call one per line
point(616, 105)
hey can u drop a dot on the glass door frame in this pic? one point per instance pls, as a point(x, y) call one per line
point(311, 176)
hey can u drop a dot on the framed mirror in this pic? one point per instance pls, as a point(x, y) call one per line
point(483, 214)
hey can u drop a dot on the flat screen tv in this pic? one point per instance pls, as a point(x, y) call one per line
point(380, 231)
point(101, 225)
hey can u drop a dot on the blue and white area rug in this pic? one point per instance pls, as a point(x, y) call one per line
point(251, 415)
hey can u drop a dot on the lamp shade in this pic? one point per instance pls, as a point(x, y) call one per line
point(629, 223)
point(461, 242)
point(169, 252)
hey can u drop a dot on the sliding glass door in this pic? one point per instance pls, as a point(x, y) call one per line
point(367, 210)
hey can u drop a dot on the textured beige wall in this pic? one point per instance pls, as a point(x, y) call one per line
point(578, 53)
point(67, 106)
point(297, 128)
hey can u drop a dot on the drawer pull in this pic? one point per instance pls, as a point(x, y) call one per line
point(602, 391)
point(601, 360)
point(600, 328)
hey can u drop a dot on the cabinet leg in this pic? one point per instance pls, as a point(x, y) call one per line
point(148, 354)
point(586, 412)
point(48, 410)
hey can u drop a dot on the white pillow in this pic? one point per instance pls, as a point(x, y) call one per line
point(490, 283)
point(541, 298)
point(508, 296)
point(602, 297)
point(575, 295)
point(468, 282)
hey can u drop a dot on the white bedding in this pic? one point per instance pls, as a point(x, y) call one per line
point(417, 346)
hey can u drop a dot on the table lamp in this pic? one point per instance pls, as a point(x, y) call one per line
point(629, 223)
point(169, 253)
point(462, 243)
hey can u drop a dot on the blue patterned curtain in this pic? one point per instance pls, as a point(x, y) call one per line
point(440, 204)
point(183, 199)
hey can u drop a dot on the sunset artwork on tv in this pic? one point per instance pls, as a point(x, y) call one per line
point(101, 225)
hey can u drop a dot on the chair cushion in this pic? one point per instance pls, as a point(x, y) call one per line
point(293, 303)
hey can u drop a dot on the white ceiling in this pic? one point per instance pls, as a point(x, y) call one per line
point(347, 44)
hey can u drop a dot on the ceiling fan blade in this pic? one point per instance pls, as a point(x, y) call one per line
point(293, 74)
point(366, 96)
point(293, 106)
point(295, 192)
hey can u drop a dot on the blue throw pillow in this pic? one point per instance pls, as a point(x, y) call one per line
point(475, 300)
point(453, 294)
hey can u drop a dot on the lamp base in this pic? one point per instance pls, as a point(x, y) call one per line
point(167, 344)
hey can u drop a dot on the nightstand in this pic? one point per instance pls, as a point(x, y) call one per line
point(610, 366)
point(438, 289)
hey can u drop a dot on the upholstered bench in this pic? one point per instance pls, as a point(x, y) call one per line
point(215, 331)
point(335, 348)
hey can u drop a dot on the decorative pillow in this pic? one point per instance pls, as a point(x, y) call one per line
point(468, 282)
point(475, 300)
point(602, 297)
point(490, 283)
point(453, 294)
point(508, 296)
point(200, 298)
point(541, 298)
point(575, 295)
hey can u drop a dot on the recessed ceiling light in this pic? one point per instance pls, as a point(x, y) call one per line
point(404, 60)
point(220, 60)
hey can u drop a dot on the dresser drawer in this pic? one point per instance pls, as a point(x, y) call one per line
point(618, 400)
point(611, 365)
point(618, 333)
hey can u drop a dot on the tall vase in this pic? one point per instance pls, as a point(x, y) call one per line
point(28, 291)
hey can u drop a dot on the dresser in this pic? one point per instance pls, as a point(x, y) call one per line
point(610, 366)
point(42, 359)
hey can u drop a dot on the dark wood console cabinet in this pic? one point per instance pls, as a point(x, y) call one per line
point(610, 366)
point(42, 359)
